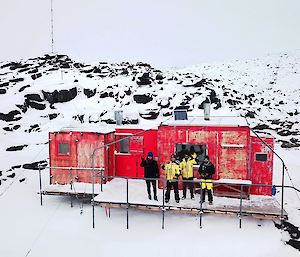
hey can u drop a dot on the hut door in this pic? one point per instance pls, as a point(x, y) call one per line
point(261, 166)
point(137, 149)
point(129, 157)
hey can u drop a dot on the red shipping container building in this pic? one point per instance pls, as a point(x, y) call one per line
point(239, 157)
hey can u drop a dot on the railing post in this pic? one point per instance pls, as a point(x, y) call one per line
point(40, 175)
point(241, 206)
point(93, 191)
point(282, 189)
point(71, 179)
point(127, 205)
point(101, 179)
point(201, 210)
point(163, 209)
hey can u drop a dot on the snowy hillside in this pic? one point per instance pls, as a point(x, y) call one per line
point(50, 92)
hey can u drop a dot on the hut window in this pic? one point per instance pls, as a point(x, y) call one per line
point(124, 145)
point(182, 149)
point(63, 148)
point(261, 157)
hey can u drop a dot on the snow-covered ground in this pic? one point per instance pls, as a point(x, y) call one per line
point(56, 229)
point(33, 104)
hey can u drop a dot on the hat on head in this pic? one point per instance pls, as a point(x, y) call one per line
point(206, 157)
point(150, 154)
point(173, 156)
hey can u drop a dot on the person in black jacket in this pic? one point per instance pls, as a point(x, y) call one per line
point(206, 171)
point(151, 172)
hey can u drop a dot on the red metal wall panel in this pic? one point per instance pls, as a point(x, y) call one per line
point(229, 162)
point(81, 145)
point(261, 171)
point(233, 157)
point(109, 138)
point(86, 144)
point(62, 160)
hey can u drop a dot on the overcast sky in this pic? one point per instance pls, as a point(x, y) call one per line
point(163, 33)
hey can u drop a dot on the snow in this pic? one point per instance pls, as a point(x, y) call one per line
point(57, 229)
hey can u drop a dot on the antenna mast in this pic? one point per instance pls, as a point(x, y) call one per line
point(52, 25)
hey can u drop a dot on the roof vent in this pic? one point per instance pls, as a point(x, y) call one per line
point(206, 111)
point(118, 117)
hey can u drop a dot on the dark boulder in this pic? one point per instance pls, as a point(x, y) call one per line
point(16, 80)
point(36, 76)
point(34, 97)
point(89, 93)
point(5, 84)
point(33, 100)
point(33, 128)
point(53, 116)
point(60, 96)
point(149, 114)
point(250, 114)
point(142, 99)
point(11, 116)
point(23, 88)
point(36, 165)
point(144, 79)
point(15, 148)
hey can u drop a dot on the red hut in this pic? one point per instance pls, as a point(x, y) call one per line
point(239, 157)
point(71, 148)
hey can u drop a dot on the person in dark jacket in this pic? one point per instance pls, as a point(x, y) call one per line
point(206, 171)
point(151, 171)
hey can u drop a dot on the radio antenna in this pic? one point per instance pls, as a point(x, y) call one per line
point(52, 39)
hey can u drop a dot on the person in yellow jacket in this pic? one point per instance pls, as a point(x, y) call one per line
point(186, 167)
point(173, 171)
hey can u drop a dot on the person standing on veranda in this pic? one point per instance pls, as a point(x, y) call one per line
point(151, 172)
point(206, 171)
point(173, 172)
point(186, 167)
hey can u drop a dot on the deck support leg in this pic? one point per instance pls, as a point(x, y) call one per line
point(71, 180)
point(93, 191)
point(163, 209)
point(241, 206)
point(201, 211)
point(40, 175)
point(127, 205)
point(71, 201)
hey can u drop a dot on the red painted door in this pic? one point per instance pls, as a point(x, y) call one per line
point(128, 163)
point(261, 165)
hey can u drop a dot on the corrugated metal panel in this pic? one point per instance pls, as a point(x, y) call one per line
point(81, 145)
point(261, 171)
point(233, 161)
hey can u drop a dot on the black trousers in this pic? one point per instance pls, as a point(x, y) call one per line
point(210, 197)
point(149, 182)
point(173, 184)
point(191, 185)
